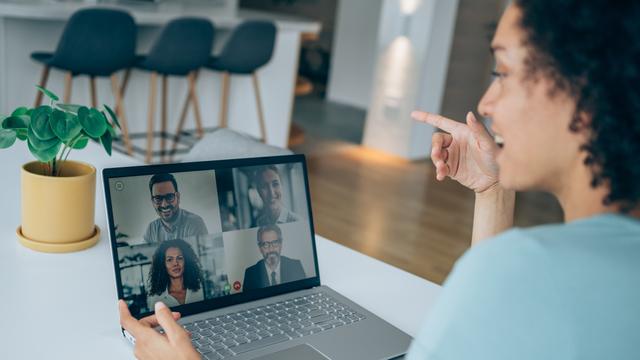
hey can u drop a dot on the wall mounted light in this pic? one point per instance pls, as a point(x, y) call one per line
point(409, 7)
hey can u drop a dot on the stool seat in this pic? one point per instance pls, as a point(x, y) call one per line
point(96, 42)
point(164, 67)
point(217, 63)
point(182, 48)
point(49, 59)
point(249, 47)
point(42, 57)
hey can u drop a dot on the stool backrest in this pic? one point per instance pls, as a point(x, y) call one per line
point(249, 47)
point(97, 41)
point(184, 45)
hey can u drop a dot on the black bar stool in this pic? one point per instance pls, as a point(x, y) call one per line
point(183, 47)
point(96, 42)
point(249, 48)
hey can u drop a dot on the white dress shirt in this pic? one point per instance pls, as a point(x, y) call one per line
point(269, 271)
point(167, 299)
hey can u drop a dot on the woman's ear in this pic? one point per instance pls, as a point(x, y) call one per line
point(581, 122)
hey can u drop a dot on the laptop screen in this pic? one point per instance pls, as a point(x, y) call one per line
point(197, 233)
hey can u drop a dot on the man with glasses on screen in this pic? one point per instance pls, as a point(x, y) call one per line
point(273, 269)
point(172, 222)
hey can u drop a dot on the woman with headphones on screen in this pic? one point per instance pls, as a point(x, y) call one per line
point(565, 111)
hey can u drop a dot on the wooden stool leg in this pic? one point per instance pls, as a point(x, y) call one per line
point(224, 102)
point(120, 113)
point(151, 115)
point(43, 83)
point(68, 81)
point(92, 85)
point(196, 106)
point(125, 82)
point(256, 86)
point(178, 134)
point(183, 117)
point(163, 125)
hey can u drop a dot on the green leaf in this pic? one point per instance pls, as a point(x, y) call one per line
point(66, 126)
point(44, 155)
point(15, 122)
point(7, 138)
point(113, 116)
point(72, 108)
point(21, 134)
point(106, 140)
point(49, 94)
point(112, 131)
point(40, 123)
point(81, 143)
point(20, 111)
point(41, 144)
point(92, 121)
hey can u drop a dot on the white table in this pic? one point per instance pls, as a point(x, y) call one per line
point(63, 306)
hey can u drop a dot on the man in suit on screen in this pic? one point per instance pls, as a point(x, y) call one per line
point(274, 268)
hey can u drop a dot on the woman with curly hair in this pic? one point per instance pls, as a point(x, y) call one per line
point(175, 277)
point(565, 110)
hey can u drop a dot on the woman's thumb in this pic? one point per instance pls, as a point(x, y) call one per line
point(479, 132)
point(166, 320)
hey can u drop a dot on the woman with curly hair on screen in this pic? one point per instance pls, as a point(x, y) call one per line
point(565, 116)
point(175, 277)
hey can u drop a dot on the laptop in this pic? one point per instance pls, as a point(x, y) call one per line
point(230, 244)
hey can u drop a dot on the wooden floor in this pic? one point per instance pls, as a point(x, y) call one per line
point(395, 210)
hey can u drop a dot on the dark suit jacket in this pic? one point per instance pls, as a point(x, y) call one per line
point(256, 277)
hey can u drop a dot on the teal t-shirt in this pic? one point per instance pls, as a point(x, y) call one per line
point(566, 291)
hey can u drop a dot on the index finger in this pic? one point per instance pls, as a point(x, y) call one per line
point(436, 120)
point(128, 322)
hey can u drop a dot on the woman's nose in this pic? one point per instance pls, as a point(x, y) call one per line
point(486, 103)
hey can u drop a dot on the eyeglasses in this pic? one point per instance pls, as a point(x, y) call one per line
point(271, 244)
point(157, 199)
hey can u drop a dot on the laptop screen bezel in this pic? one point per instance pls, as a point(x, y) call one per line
point(228, 300)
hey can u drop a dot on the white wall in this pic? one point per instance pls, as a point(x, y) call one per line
point(354, 52)
point(433, 74)
point(410, 73)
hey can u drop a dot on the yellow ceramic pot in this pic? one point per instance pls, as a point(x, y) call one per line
point(58, 211)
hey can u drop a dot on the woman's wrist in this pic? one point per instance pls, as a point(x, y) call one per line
point(493, 212)
point(491, 191)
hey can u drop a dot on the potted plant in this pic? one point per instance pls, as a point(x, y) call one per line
point(58, 195)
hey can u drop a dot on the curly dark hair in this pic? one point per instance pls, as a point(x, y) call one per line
point(591, 51)
point(158, 277)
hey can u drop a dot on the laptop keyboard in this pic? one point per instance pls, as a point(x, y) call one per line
point(232, 334)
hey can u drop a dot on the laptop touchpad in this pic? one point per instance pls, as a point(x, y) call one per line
point(303, 351)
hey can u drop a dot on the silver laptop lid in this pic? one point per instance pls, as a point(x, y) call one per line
point(204, 235)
